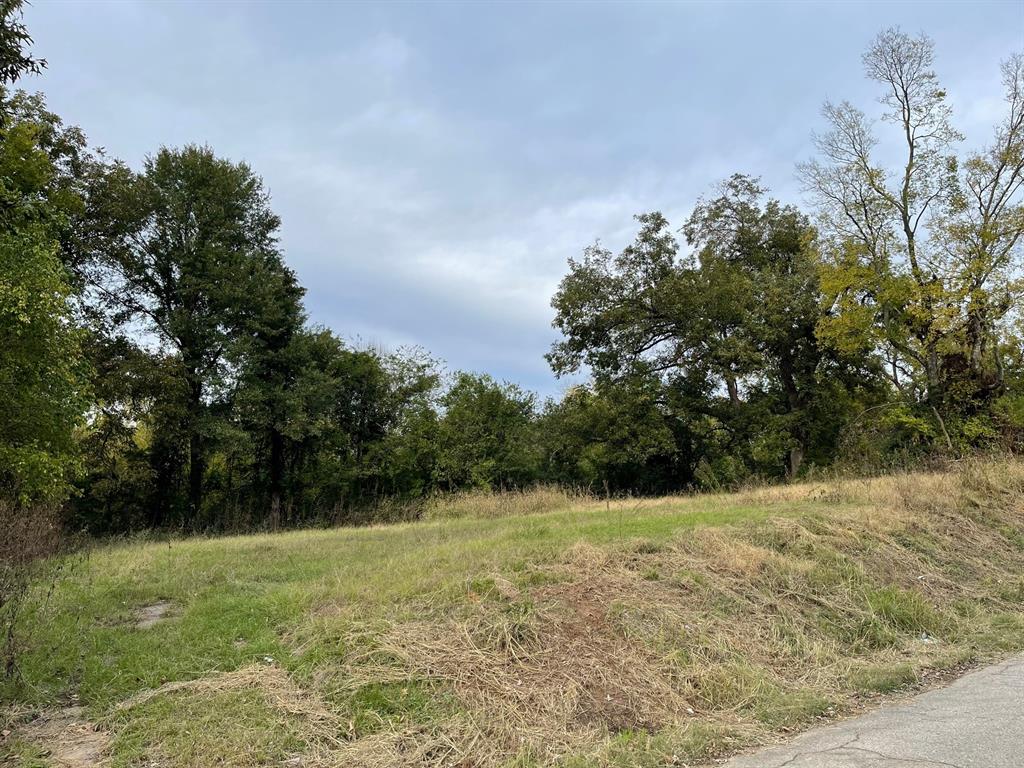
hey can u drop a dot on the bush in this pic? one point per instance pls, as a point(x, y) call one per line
point(31, 539)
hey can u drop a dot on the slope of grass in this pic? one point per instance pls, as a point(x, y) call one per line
point(583, 633)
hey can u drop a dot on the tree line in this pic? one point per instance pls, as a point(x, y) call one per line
point(160, 371)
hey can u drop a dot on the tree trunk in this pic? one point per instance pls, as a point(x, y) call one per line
point(276, 476)
point(942, 426)
point(733, 388)
point(796, 459)
point(195, 452)
point(794, 402)
point(933, 372)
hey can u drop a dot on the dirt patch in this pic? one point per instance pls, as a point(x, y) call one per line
point(150, 615)
point(619, 683)
point(67, 738)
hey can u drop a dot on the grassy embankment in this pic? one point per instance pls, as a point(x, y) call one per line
point(582, 633)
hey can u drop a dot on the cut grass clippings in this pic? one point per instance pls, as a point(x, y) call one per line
point(534, 630)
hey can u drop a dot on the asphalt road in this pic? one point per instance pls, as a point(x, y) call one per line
point(976, 722)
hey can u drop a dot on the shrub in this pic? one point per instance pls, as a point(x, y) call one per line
point(31, 539)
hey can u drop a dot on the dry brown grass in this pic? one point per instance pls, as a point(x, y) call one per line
point(272, 681)
point(545, 680)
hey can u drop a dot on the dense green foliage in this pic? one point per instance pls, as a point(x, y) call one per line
point(41, 364)
point(729, 330)
point(160, 370)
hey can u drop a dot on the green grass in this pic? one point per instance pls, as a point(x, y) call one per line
point(638, 749)
point(235, 598)
point(25, 754)
point(882, 678)
point(204, 731)
point(731, 617)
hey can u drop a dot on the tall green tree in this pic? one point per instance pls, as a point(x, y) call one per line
point(131, 443)
point(264, 355)
point(41, 365)
point(41, 370)
point(401, 460)
point(189, 243)
point(354, 425)
point(339, 408)
point(610, 437)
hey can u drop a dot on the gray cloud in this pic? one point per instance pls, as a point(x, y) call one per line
point(435, 165)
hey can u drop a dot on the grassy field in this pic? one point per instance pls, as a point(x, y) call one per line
point(524, 630)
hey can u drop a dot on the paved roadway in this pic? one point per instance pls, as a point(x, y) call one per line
point(976, 722)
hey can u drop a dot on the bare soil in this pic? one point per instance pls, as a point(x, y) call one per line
point(150, 615)
point(70, 740)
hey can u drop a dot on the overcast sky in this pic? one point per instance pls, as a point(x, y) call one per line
point(435, 165)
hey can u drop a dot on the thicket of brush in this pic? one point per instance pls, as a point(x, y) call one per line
point(31, 542)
